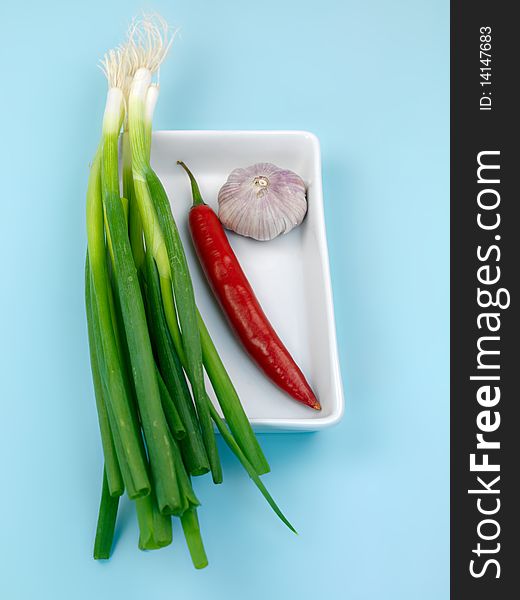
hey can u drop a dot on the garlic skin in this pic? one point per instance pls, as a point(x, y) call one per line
point(262, 201)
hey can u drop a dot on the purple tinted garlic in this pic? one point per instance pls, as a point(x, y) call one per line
point(262, 201)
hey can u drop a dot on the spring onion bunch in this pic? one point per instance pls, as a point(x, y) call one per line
point(149, 346)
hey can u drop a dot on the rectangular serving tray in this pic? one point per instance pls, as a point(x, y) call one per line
point(290, 274)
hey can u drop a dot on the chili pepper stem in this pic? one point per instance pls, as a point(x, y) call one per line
point(197, 197)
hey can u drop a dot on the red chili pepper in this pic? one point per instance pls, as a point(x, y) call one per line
point(234, 293)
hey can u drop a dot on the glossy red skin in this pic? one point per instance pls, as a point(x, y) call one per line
point(241, 307)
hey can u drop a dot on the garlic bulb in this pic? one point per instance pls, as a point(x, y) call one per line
point(262, 201)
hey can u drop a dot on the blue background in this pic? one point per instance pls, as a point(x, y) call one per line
point(369, 497)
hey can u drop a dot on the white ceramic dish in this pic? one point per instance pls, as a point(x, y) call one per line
point(290, 275)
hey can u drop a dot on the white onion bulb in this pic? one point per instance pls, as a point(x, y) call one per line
point(262, 201)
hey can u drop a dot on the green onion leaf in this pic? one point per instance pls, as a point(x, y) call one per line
point(172, 373)
point(170, 410)
point(230, 404)
point(230, 441)
point(106, 522)
point(155, 529)
point(190, 526)
point(113, 472)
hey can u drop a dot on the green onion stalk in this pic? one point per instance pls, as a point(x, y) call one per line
point(162, 238)
point(113, 472)
point(155, 528)
point(126, 438)
point(134, 320)
point(140, 141)
point(168, 363)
